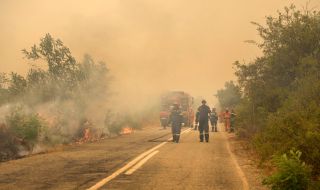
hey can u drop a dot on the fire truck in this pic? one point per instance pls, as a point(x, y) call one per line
point(185, 102)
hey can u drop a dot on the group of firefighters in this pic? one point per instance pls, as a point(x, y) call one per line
point(203, 115)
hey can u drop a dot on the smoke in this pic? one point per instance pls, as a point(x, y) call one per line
point(62, 100)
point(150, 46)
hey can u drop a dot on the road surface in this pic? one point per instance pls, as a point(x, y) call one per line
point(143, 160)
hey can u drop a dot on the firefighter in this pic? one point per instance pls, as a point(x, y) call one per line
point(227, 117)
point(204, 112)
point(175, 119)
point(221, 116)
point(196, 121)
point(232, 120)
point(214, 120)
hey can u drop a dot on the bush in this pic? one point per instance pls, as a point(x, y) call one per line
point(295, 124)
point(25, 127)
point(115, 127)
point(249, 120)
point(292, 174)
point(8, 148)
point(279, 103)
point(115, 123)
point(57, 86)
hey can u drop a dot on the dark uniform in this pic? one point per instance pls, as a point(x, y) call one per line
point(175, 119)
point(204, 112)
point(214, 120)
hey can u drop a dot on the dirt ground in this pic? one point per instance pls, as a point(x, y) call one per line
point(247, 162)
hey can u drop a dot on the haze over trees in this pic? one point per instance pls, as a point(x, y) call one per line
point(57, 99)
point(230, 96)
point(279, 107)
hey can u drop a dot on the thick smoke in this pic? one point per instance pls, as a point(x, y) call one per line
point(149, 47)
point(62, 100)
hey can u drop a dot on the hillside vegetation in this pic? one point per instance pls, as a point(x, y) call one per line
point(276, 96)
point(59, 101)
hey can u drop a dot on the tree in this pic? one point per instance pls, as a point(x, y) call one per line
point(229, 96)
point(18, 85)
point(287, 39)
point(62, 66)
point(3, 88)
point(279, 106)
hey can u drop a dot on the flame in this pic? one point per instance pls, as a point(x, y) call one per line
point(126, 130)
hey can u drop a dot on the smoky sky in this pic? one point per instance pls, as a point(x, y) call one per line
point(149, 45)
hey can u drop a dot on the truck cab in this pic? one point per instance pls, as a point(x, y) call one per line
point(184, 100)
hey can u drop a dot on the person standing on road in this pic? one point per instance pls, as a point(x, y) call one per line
point(175, 119)
point(214, 120)
point(204, 112)
point(227, 117)
point(221, 116)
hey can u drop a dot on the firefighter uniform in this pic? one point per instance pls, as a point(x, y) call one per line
point(214, 120)
point(176, 119)
point(227, 117)
point(204, 112)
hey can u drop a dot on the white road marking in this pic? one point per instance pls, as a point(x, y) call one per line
point(186, 131)
point(130, 164)
point(139, 164)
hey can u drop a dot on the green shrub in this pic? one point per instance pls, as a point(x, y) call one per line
point(115, 128)
point(292, 173)
point(134, 121)
point(24, 126)
point(8, 148)
point(250, 120)
point(115, 123)
point(295, 124)
point(279, 102)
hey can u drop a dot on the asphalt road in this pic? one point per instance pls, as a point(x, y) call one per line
point(113, 164)
point(187, 165)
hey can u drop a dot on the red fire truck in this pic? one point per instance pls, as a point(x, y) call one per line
point(186, 104)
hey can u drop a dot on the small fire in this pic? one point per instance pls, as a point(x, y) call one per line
point(126, 130)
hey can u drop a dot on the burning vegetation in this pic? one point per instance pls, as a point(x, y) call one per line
point(59, 101)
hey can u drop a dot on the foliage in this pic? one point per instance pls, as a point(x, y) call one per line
point(26, 127)
point(279, 106)
point(4, 94)
point(63, 75)
point(250, 119)
point(3, 80)
point(292, 174)
point(116, 127)
point(296, 124)
point(17, 86)
point(229, 96)
point(57, 87)
point(287, 40)
point(7, 144)
point(61, 64)
point(121, 121)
